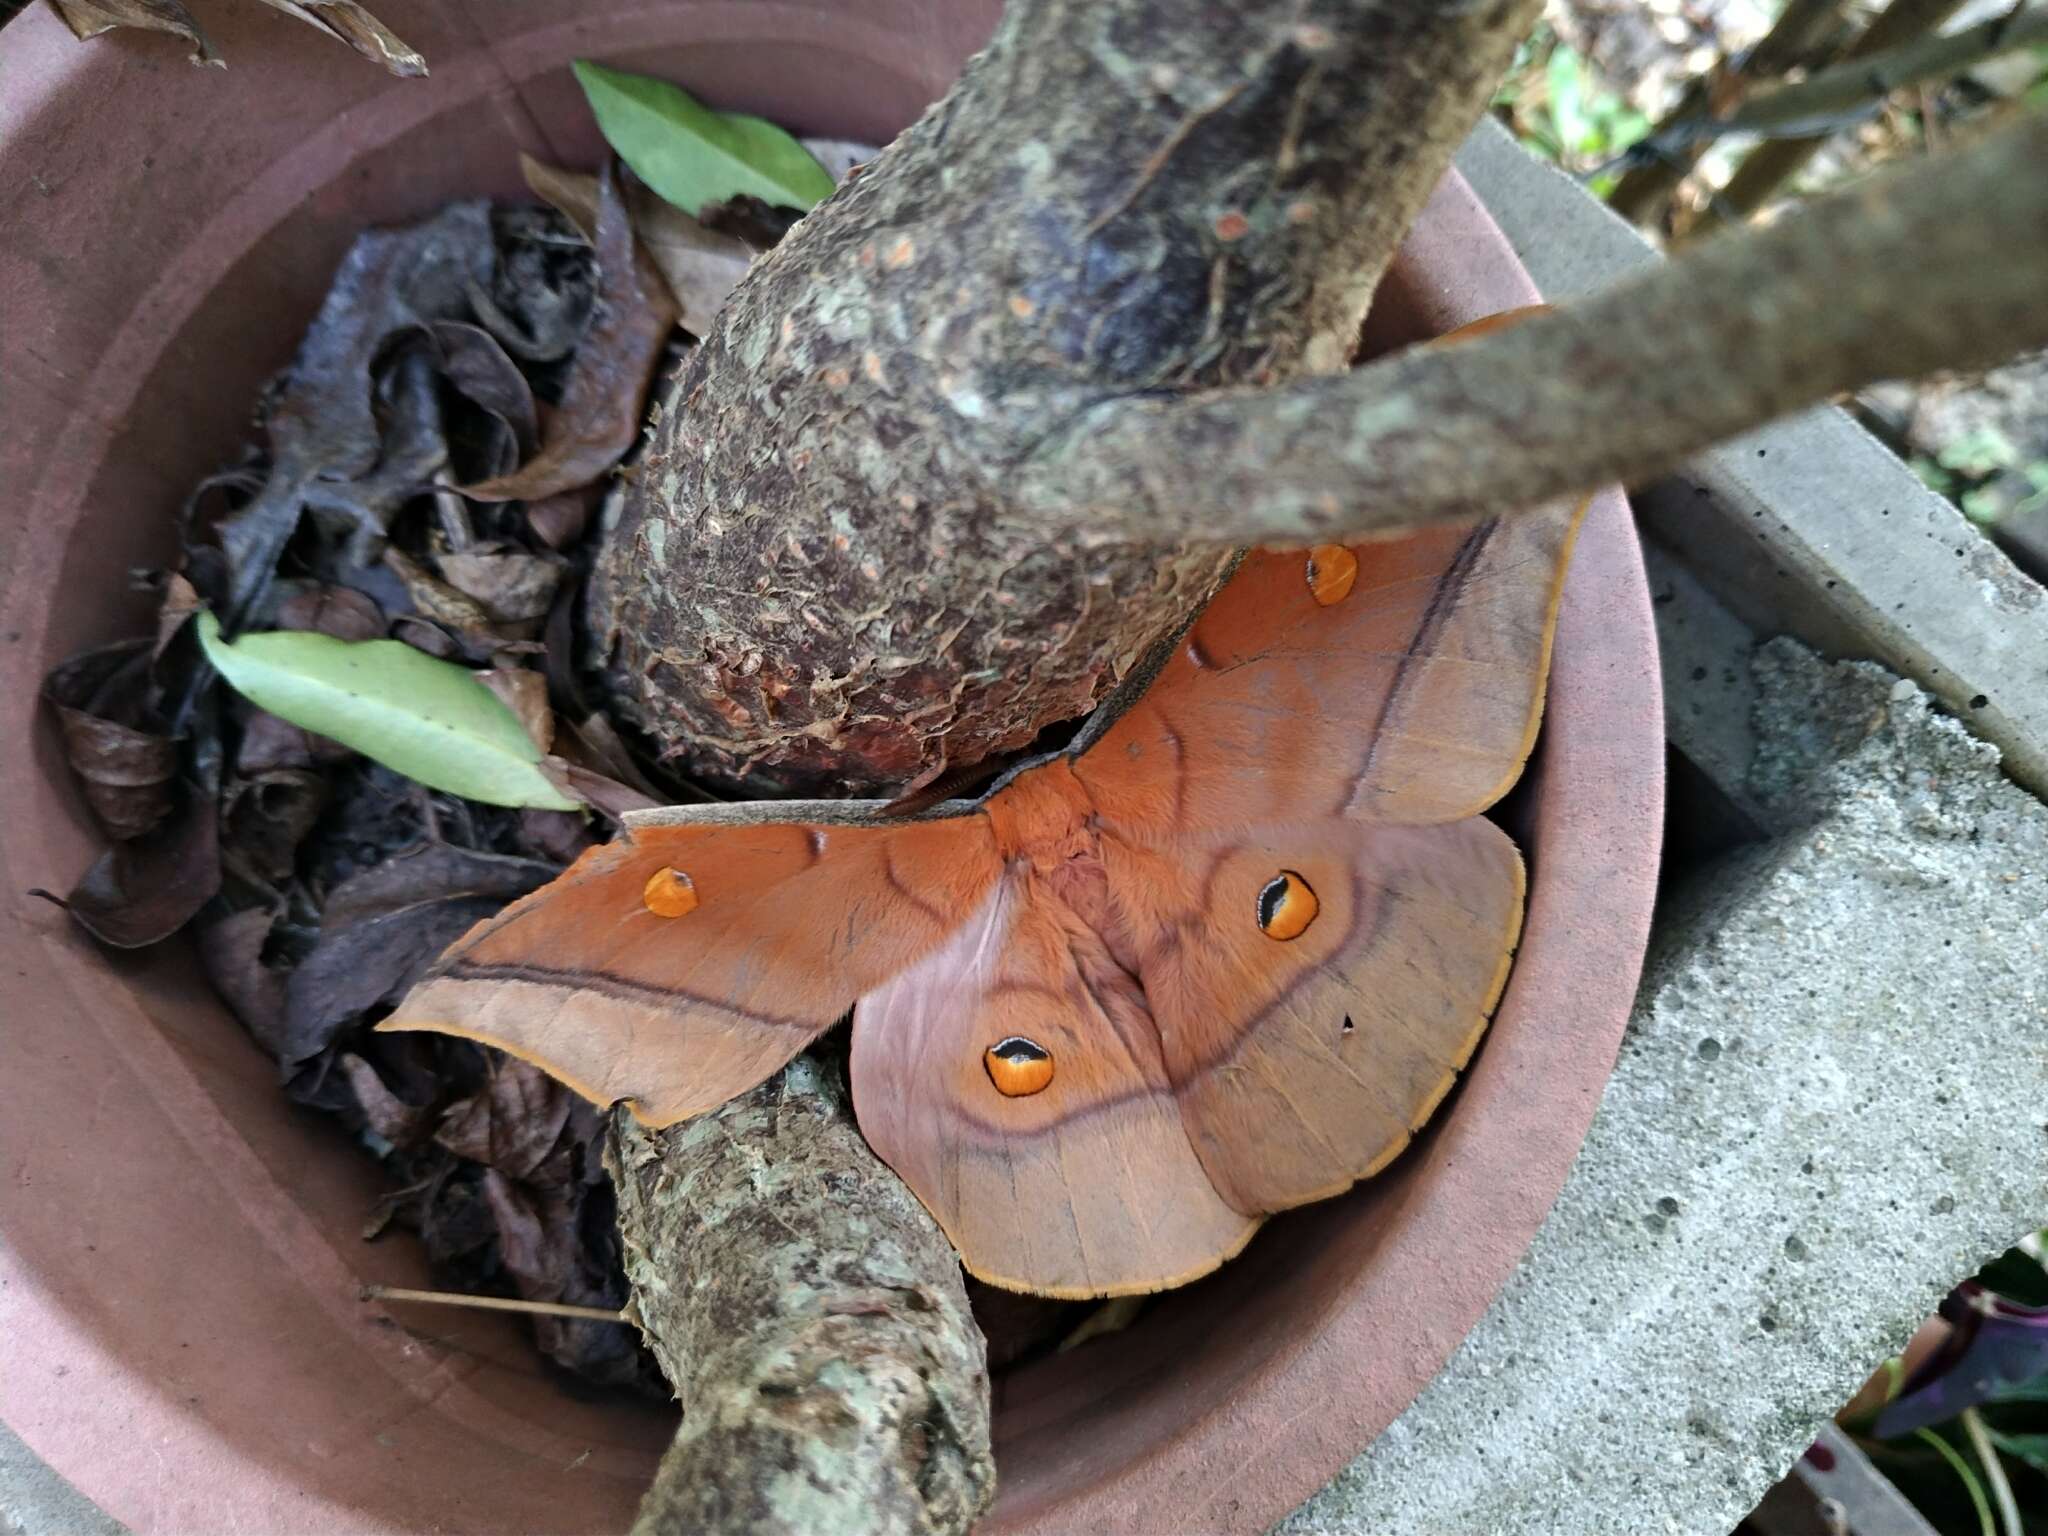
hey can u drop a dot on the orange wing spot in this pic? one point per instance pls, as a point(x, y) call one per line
point(1287, 906)
point(669, 893)
point(1331, 571)
point(1018, 1067)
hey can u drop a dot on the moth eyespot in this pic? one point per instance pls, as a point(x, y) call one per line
point(1287, 906)
point(669, 893)
point(1331, 570)
point(1018, 1067)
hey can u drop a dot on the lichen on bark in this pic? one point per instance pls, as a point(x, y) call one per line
point(812, 1319)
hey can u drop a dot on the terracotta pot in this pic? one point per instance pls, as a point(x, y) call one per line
point(178, 1248)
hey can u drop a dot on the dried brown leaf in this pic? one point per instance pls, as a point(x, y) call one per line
point(328, 609)
point(425, 872)
point(524, 692)
point(437, 599)
point(232, 952)
point(512, 586)
point(558, 521)
point(384, 1112)
point(322, 416)
point(355, 26)
point(472, 360)
point(265, 818)
point(700, 266)
point(606, 395)
point(126, 769)
point(89, 18)
point(572, 194)
point(146, 889)
point(512, 1125)
point(595, 789)
point(181, 601)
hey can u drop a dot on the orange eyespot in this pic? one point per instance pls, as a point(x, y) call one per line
point(669, 893)
point(1331, 570)
point(1287, 906)
point(1018, 1067)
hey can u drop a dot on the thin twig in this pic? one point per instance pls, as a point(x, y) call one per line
point(1838, 96)
point(1775, 161)
point(1660, 160)
point(489, 1303)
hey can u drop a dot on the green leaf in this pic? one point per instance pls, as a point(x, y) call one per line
point(1566, 78)
point(2032, 1449)
point(692, 154)
point(427, 719)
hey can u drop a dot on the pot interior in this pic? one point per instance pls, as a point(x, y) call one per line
point(181, 1236)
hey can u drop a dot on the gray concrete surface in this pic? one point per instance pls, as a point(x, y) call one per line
point(34, 1501)
point(1810, 527)
point(1832, 1103)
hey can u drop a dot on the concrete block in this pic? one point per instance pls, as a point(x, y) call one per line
point(1831, 1104)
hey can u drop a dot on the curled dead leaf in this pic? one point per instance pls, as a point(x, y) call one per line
point(384, 1112)
point(104, 711)
point(701, 266)
point(513, 586)
point(89, 18)
point(144, 890)
point(232, 952)
point(265, 818)
point(383, 928)
point(348, 21)
point(606, 395)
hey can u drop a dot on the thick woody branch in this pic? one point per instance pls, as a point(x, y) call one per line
point(1939, 265)
point(812, 1318)
point(818, 584)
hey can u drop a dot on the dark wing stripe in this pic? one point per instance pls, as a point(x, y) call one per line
point(1443, 600)
point(608, 985)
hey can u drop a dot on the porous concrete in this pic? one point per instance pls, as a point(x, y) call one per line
point(1831, 1104)
point(34, 1501)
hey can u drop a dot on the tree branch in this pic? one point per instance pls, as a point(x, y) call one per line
point(1670, 150)
point(812, 1318)
point(819, 584)
point(1940, 264)
point(1773, 162)
point(1828, 99)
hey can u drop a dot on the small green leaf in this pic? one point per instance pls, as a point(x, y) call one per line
point(1566, 77)
point(692, 154)
point(427, 719)
point(2032, 1449)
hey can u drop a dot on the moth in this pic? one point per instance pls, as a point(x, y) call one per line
point(1222, 955)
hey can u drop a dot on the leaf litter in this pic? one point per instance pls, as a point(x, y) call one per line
point(236, 801)
point(430, 463)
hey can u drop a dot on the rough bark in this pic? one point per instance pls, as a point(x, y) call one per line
point(823, 580)
point(1941, 264)
point(812, 1319)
